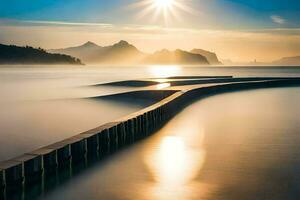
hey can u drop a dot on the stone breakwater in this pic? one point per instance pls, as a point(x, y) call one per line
point(32, 167)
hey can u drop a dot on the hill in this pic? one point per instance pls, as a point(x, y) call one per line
point(123, 53)
point(290, 61)
point(119, 53)
point(210, 56)
point(175, 57)
point(10, 54)
point(85, 52)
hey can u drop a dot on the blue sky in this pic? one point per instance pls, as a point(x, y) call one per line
point(221, 13)
point(241, 30)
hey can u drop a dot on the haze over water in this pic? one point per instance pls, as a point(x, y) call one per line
point(66, 67)
point(228, 146)
point(40, 106)
point(234, 146)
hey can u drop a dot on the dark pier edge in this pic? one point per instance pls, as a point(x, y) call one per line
point(38, 166)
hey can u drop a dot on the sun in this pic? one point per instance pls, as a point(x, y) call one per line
point(163, 3)
point(162, 10)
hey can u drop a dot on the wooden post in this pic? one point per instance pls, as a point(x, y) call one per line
point(92, 142)
point(32, 167)
point(78, 148)
point(104, 142)
point(49, 159)
point(64, 155)
point(13, 173)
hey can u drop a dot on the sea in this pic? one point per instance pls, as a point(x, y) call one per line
point(239, 145)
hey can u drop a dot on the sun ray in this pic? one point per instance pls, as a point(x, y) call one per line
point(163, 3)
point(185, 8)
point(165, 10)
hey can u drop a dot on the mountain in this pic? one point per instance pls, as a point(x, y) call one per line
point(290, 61)
point(10, 54)
point(123, 53)
point(90, 53)
point(175, 57)
point(120, 53)
point(85, 52)
point(210, 56)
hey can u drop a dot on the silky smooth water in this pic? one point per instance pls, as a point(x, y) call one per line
point(233, 146)
point(242, 145)
point(44, 104)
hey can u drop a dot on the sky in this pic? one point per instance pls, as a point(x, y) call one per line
point(240, 30)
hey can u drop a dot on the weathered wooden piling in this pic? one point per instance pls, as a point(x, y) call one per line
point(63, 150)
point(49, 159)
point(128, 130)
point(2, 180)
point(113, 139)
point(153, 120)
point(135, 128)
point(13, 173)
point(104, 142)
point(92, 143)
point(130, 138)
point(149, 122)
point(32, 167)
point(104, 137)
point(144, 125)
point(120, 135)
point(78, 145)
point(139, 127)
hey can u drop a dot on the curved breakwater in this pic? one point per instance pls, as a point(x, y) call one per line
point(38, 165)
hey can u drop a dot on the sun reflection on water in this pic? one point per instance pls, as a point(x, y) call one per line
point(162, 86)
point(164, 71)
point(172, 161)
point(161, 80)
point(174, 165)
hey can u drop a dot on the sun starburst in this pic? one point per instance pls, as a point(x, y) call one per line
point(163, 4)
point(162, 9)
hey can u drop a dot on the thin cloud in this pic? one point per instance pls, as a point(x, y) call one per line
point(53, 23)
point(278, 19)
point(70, 23)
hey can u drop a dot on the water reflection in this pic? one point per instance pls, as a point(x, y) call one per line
point(234, 146)
point(162, 86)
point(161, 80)
point(171, 161)
point(176, 161)
point(163, 71)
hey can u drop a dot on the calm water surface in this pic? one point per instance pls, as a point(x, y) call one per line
point(41, 105)
point(242, 145)
point(234, 146)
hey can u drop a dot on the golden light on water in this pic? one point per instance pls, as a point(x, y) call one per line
point(174, 163)
point(162, 86)
point(164, 71)
point(161, 80)
point(174, 166)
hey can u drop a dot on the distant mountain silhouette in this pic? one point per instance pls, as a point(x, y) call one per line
point(10, 54)
point(285, 61)
point(124, 53)
point(86, 52)
point(175, 57)
point(119, 53)
point(210, 56)
point(290, 61)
